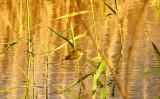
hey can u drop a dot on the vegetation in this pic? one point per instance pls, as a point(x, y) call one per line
point(101, 66)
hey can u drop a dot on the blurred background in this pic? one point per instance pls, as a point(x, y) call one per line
point(137, 18)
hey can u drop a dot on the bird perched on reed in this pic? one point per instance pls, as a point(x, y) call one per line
point(74, 55)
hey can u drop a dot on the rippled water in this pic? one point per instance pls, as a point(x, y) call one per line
point(137, 18)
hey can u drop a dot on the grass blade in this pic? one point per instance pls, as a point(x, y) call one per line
point(5, 90)
point(156, 51)
point(95, 32)
point(63, 31)
point(62, 37)
point(23, 73)
point(77, 37)
point(102, 10)
point(99, 71)
point(62, 66)
point(95, 58)
point(71, 15)
point(65, 16)
point(100, 20)
point(11, 45)
point(84, 77)
point(109, 7)
point(72, 33)
point(116, 5)
point(152, 71)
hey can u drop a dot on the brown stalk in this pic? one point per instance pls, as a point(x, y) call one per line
point(131, 48)
point(109, 66)
point(102, 55)
point(105, 58)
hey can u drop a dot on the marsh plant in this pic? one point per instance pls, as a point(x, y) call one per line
point(101, 64)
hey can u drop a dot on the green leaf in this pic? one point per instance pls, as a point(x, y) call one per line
point(99, 84)
point(65, 16)
point(116, 5)
point(109, 7)
point(95, 58)
point(84, 77)
point(77, 37)
point(62, 37)
point(96, 75)
point(13, 43)
point(73, 39)
point(1, 91)
point(72, 14)
point(23, 73)
point(152, 71)
point(62, 66)
point(63, 31)
point(156, 51)
point(100, 20)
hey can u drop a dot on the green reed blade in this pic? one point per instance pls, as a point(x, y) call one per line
point(96, 75)
point(100, 20)
point(152, 71)
point(102, 10)
point(116, 5)
point(95, 32)
point(23, 73)
point(65, 16)
point(84, 77)
point(13, 43)
point(62, 66)
point(109, 7)
point(77, 37)
point(62, 37)
point(63, 31)
point(103, 93)
point(99, 84)
point(73, 39)
point(156, 51)
point(71, 15)
point(95, 58)
point(5, 90)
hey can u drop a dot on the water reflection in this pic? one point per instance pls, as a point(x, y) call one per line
point(136, 19)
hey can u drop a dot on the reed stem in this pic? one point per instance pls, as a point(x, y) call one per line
point(47, 81)
point(80, 78)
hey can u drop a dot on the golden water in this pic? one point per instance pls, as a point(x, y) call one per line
point(137, 18)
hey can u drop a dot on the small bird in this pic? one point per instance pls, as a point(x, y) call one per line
point(75, 55)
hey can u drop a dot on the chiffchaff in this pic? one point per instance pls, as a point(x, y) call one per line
point(75, 55)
